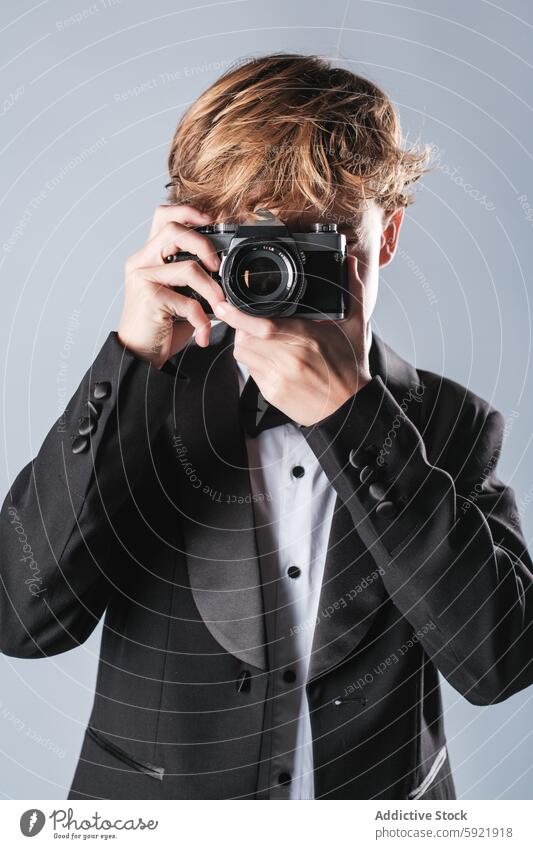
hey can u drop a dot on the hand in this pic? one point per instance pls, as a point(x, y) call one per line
point(150, 326)
point(307, 369)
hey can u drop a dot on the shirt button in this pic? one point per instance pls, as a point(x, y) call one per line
point(289, 676)
point(294, 572)
point(285, 778)
point(298, 471)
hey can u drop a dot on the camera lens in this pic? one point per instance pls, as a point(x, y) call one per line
point(259, 275)
point(263, 279)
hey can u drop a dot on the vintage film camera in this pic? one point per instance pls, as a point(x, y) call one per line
point(268, 271)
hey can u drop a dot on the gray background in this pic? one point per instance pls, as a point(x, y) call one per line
point(87, 113)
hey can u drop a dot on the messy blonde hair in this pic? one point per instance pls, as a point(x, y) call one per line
point(290, 132)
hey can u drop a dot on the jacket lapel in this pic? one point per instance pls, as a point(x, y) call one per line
point(217, 512)
point(352, 590)
point(352, 593)
point(218, 519)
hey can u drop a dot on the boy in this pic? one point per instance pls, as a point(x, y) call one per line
point(290, 529)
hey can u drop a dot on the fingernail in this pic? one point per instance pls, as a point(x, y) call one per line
point(220, 309)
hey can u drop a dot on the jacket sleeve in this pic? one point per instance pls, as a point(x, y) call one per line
point(452, 555)
point(60, 552)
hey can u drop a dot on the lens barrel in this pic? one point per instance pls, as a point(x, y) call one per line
point(263, 278)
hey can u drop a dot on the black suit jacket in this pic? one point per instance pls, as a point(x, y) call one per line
point(153, 524)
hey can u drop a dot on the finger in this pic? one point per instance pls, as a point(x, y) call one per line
point(200, 334)
point(290, 330)
point(253, 350)
point(181, 307)
point(182, 213)
point(283, 340)
point(258, 364)
point(264, 328)
point(294, 331)
point(172, 239)
point(184, 274)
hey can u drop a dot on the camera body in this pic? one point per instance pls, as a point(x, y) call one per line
point(268, 271)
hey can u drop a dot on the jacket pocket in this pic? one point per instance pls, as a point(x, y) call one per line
point(141, 766)
point(434, 770)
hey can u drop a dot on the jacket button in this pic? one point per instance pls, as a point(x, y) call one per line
point(285, 778)
point(101, 390)
point(354, 459)
point(376, 491)
point(386, 510)
point(365, 474)
point(80, 445)
point(87, 426)
point(289, 676)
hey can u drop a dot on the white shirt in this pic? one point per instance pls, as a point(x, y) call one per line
point(293, 519)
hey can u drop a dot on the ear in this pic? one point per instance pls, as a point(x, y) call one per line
point(389, 235)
